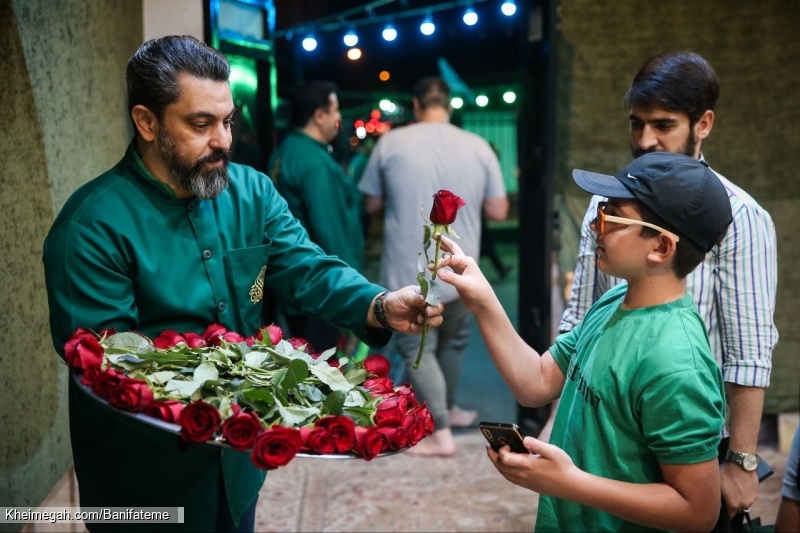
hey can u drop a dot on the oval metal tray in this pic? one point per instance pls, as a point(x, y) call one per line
point(176, 429)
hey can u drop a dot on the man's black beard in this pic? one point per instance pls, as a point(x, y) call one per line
point(688, 147)
point(203, 184)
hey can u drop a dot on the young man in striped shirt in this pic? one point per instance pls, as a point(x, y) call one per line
point(671, 101)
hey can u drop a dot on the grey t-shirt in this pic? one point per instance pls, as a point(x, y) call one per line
point(407, 167)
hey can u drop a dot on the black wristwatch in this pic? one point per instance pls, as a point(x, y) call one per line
point(748, 461)
point(378, 310)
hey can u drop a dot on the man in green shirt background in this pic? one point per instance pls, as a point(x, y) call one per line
point(176, 237)
point(319, 193)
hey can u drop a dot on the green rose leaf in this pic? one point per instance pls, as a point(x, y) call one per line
point(434, 294)
point(206, 372)
point(355, 398)
point(293, 415)
point(331, 377)
point(128, 341)
point(426, 236)
point(259, 395)
point(220, 357)
point(360, 415)
point(162, 377)
point(311, 392)
point(356, 376)
point(334, 403)
point(255, 359)
point(182, 389)
point(126, 361)
point(294, 374)
point(324, 356)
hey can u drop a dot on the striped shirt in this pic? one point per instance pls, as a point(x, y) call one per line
point(734, 289)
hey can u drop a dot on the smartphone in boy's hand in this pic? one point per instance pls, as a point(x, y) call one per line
point(500, 434)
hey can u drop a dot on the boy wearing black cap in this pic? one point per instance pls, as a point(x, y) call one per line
point(635, 437)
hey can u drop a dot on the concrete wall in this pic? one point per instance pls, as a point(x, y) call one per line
point(63, 98)
point(755, 49)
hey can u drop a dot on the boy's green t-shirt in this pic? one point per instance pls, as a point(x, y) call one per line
point(642, 388)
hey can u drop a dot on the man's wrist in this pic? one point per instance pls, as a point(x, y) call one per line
point(747, 461)
point(380, 313)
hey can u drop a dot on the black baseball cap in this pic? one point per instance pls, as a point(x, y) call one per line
point(681, 190)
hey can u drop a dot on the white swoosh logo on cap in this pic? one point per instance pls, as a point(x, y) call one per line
point(632, 177)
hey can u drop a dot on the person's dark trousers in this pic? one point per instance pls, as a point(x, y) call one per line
point(319, 333)
point(247, 523)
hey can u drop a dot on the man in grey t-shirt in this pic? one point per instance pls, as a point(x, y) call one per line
point(407, 167)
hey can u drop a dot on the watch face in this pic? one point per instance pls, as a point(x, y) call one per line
point(750, 462)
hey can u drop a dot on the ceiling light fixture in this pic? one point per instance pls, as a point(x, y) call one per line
point(508, 8)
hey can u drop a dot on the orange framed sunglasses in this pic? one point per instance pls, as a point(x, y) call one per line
point(603, 218)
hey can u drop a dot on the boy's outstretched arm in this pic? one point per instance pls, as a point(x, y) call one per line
point(533, 379)
point(687, 500)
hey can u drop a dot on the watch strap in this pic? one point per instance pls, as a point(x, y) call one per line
point(380, 315)
point(740, 458)
point(735, 457)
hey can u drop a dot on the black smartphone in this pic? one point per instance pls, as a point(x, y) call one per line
point(501, 434)
point(763, 470)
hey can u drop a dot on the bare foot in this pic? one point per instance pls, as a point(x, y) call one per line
point(460, 418)
point(439, 443)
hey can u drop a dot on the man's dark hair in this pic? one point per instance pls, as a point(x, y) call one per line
point(308, 98)
point(432, 92)
point(155, 68)
point(687, 254)
point(680, 82)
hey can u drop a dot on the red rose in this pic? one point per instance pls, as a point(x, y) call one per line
point(301, 345)
point(106, 332)
point(249, 341)
point(104, 383)
point(90, 374)
point(232, 337)
point(377, 365)
point(318, 440)
point(275, 447)
point(370, 442)
point(167, 339)
point(391, 411)
point(396, 437)
point(83, 351)
point(273, 332)
point(131, 395)
point(379, 385)
point(342, 429)
point(168, 411)
point(422, 411)
point(445, 207)
point(199, 421)
point(414, 428)
point(213, 331)
point(241, 430)
point(193, 340)
point(408, 392)
point(83, 332)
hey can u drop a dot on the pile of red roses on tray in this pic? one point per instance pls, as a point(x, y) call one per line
point(273, 396)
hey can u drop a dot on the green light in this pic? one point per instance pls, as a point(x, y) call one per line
point(243, 77)
point(509, 97)
point(482, 100)
point(457, 102)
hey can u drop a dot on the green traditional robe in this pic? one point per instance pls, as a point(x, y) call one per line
point(125, 253)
